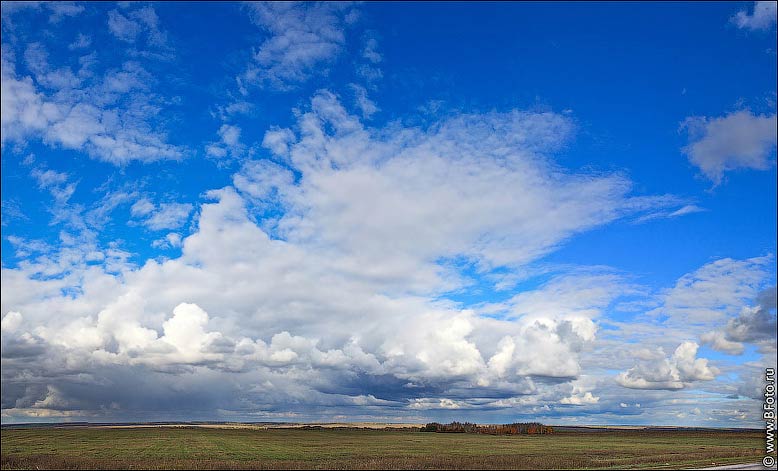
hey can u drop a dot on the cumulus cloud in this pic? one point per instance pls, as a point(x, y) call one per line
point(131, 24)
point(755, 325)
point(674, 372)
point(581, 394)
point(580, 399)
point(261, 179)
point(170, 241)
point(739, 140)
point(11, 321)
point(304, 39)
point(161, 216)
point(718, 341)
point(719, 288)
point(416, 197)
point(342, 302)
point(370, 50)
point(112, 117)
point(122, 27)
point(228, 144)
point(363, 102)
point(762, 17)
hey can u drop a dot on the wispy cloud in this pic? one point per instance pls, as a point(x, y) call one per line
point(762, 16)
point(304, 39)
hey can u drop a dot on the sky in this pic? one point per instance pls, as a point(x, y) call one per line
point(391, 212)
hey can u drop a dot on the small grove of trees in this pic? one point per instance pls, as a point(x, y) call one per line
point(529, 428)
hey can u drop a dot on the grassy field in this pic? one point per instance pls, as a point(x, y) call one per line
point(209, 448)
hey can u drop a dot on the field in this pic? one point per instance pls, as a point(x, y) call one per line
point(225, 448)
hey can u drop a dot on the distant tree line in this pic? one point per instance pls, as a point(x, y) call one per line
point(528, 428)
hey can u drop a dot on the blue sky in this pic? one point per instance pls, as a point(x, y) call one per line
point(395, 212)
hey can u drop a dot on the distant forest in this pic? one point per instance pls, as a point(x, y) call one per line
point(529, 428)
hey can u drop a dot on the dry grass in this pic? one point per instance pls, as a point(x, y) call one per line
point(203, 448)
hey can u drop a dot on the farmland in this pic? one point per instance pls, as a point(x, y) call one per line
point(288, 448)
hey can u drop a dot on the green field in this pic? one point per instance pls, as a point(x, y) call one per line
point(213, 448)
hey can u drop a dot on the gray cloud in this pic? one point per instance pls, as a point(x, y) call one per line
point(739, 140)
point(755, 325)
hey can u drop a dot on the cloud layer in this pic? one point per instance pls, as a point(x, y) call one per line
point(330, 255)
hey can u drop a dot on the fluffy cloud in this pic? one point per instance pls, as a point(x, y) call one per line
point(762, 17)
point(419, 197)
point(129, 25)
point(735, 141)
point(112, 117)
point(675, 372)
point(11, 321)
point(161, 216)
point(376, 224)
point(719, 341)
point(365, 104)
point(228, 144)
point(754, 324)
point(341, 302)
point(172, 240)
point(304, 39)
point(707, 295)
point(578, 399)
point(122, 27)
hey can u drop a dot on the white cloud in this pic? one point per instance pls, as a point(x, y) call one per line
point(82, 41)
point(739, 140)
point(169, 216)
point(172, 240)
point(670, 214)
point(269, 303)
point(136, 23)
point(364, 104)
point(715, 290)
point(228, 144)
point(185, 331)
point(763, 16)
point(688, 209)
point(261, 179)
point(161, 216)
point(11, 322)
point(675, 372)
point(718, 341)
point(113, 116)
point(110, 119)
point(581, 393)
point(142, 207)
point(577, 400)
point(340, 304)
point(122, 27)
point(277, 140)
point(474, 186)
point(370, 51)
point(305, 38)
